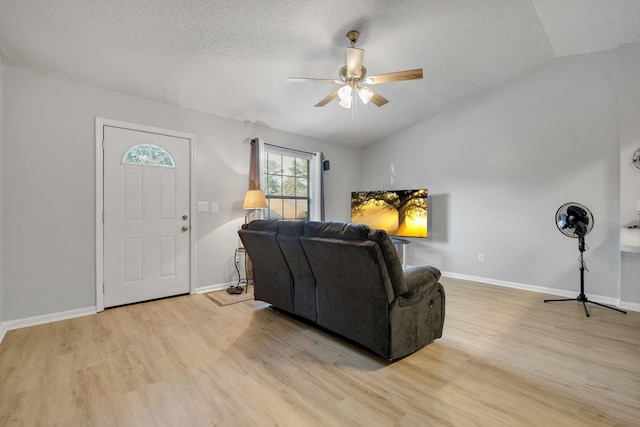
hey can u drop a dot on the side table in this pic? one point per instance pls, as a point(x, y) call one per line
point(241, 257)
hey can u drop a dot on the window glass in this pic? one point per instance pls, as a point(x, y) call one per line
point(286, 178)
point(148, 155)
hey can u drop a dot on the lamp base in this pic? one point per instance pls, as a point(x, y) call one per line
point(235, 290)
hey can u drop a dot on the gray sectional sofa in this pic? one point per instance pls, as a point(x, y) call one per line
point(346, 278)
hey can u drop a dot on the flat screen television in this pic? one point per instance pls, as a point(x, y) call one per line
point(401, 213)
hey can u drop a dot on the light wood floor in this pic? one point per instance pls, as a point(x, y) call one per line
point(505, 359)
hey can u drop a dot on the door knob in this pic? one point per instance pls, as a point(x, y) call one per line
point(185, 228)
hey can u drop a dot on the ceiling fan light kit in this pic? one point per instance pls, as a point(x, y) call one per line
point(352, 77)
point(347, 95)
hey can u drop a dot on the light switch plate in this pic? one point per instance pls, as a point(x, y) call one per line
point(203, 206)
point(214, 207)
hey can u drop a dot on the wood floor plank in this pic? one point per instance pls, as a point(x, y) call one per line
point(505, 359)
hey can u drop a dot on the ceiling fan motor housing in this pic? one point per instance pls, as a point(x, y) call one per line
point(345, 78)
point(352, 37)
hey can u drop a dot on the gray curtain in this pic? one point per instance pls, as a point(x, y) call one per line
point(254, 166)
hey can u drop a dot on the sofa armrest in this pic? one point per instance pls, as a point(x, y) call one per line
point(417, 317)
point(421, 278)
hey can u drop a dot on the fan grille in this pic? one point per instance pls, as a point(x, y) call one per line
point(574, 219)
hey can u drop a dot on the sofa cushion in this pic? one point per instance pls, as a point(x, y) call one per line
point(294, 228)
point(304, 283)
point(352, 288)
point(394, 267)
point(273, 281)
point(261, 225)
point(341, 230)
point(337, 230)
point(421, 277)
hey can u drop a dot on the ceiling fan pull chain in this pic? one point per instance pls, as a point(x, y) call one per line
point(354, 103)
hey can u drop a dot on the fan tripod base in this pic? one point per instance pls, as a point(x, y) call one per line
point(581, 296)
point(584, 300)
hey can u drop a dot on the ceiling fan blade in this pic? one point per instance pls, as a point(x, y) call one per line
point(328, 99)
point(394, 77)
point(377, 99)
point(354, 61)
point(307, 79)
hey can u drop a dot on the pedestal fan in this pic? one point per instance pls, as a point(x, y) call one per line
point(576, 220)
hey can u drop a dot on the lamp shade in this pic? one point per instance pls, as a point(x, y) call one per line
point(345, 93)
point(345, 103)
point(365, 94)
point(254, 199)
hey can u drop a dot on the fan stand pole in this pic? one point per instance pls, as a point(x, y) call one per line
point(582, 297)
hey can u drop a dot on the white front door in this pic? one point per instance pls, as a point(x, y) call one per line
point(146, 216)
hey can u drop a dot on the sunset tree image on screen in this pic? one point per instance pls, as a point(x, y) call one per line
point(401, 213)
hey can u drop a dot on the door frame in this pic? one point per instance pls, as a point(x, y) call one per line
point(100, 123)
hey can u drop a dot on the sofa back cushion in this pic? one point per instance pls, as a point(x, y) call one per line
point(353, 289)
point(394, 267)
point(336, 230)
point(273, 282)
point(304, 284)
point(362, 232)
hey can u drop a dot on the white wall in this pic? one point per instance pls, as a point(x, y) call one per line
point(1, 206)
point(629, 132)
point(500, 165)
point(50, 188)
point(629, 175)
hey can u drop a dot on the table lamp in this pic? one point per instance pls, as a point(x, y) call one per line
point(254, 199)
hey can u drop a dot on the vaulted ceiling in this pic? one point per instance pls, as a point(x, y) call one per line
point(232, 58)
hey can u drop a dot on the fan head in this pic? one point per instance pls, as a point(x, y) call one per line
point(574, 220)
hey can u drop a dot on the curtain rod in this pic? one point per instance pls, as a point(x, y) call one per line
point(284, 148)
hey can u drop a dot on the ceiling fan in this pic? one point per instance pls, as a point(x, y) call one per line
point(353, 78)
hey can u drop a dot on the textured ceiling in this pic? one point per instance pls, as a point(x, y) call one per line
point(232, 58)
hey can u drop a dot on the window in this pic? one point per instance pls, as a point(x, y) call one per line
point(291, 183)
point(148, 155)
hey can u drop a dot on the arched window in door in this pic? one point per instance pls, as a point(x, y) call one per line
point(148, 155)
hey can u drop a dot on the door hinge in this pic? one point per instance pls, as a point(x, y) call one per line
point(103, 217)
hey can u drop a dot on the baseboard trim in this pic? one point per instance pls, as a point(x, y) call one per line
point(630, 306)
point(213, 288)
point(542, 290)
point(64, 315)
point(48, 318)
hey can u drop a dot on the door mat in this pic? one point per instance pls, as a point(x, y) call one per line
point(224, 298)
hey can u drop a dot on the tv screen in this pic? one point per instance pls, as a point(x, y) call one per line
point(401, 213)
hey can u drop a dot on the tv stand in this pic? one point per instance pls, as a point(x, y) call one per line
point(401, 245)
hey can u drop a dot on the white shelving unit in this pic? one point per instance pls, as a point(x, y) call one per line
point(630, 240)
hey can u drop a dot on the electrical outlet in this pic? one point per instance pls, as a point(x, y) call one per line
point(203, 207)
point(480, 257)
